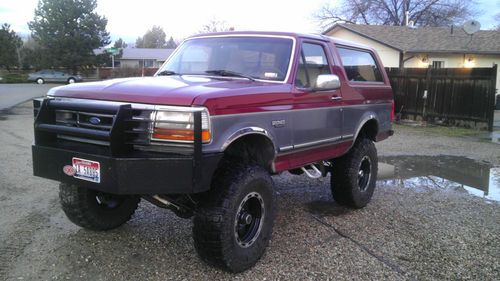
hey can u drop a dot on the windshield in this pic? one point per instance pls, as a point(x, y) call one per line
point(262, 58)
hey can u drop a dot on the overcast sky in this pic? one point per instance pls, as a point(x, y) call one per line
point(131, 18)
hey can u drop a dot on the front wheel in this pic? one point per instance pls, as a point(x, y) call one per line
point(94, 209)
point(233, 224)
point(71, 80)
point(40, 81)
point(355, 174)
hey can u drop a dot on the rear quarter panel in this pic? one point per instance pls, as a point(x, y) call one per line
point(363, 101)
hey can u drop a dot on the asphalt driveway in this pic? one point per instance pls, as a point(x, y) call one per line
point(13, 94)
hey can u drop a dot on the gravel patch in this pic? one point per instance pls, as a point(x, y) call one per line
point(403, 234)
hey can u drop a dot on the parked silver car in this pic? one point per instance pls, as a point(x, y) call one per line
point(49, 75)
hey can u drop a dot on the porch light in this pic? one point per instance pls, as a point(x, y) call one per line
point(469, 62)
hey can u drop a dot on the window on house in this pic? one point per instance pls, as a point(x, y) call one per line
point(360, 65)
point(312, 63)
point(149, 63)
point(438, 64)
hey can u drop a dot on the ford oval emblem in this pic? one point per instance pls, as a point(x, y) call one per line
point(94, 120)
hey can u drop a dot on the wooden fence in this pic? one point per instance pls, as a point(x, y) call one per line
point(455, 96)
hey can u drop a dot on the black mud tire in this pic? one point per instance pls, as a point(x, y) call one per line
point(215, 223)
point(349, 186)
point(82, 207)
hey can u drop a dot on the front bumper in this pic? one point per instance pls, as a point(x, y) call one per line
point(125, 167)
point(162, 175)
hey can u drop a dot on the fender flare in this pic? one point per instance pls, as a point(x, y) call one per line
point(367, 117)
point(250, 130)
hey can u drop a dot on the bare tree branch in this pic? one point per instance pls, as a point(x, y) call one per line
point(393, 12)
point(215, 26)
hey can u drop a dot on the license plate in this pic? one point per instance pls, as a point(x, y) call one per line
point(87, 170)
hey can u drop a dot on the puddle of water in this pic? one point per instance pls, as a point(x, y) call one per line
point(445, 173)
point(495, 137)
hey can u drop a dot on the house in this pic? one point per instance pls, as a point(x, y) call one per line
point(438, 47)
point(143, 57)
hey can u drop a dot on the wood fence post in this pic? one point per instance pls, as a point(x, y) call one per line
point(426, 91)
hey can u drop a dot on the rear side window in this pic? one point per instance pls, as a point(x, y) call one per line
point(359, 65)
point(312, 63)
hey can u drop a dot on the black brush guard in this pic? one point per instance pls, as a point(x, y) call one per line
point(123, 170)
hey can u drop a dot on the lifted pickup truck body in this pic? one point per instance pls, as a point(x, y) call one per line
point(311, 99)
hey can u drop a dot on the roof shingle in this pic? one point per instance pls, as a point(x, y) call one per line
point(428, 39)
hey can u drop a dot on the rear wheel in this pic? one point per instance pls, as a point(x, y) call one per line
point(40, 81)
point(233, 224)
point(355, 174)
point(94, 209)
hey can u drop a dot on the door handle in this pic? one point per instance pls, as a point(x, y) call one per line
point(336, 98)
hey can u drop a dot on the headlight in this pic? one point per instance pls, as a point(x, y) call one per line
point(178, 126)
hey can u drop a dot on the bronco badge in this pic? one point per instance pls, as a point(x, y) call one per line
point(278, 123)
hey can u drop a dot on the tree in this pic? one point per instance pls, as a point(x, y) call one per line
point(10, 43)
point(171, 44)
point(215, 26)
point(497, 19)
point(392, 12)
point(120, 44)
point(153, 38)
point(68, 31)
point(31, 55)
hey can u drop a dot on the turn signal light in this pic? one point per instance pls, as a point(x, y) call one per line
point(179, 134)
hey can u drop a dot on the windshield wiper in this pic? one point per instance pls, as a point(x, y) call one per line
point(223, 72)
point(167, 73)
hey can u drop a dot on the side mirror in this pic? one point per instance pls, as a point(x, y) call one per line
point(326, 82)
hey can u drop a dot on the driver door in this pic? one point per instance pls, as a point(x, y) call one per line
point(317, 115)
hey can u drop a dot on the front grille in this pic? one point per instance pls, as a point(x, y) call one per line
point(122, 129)
point(136, 132)
point(87, 120)
point(94, 122)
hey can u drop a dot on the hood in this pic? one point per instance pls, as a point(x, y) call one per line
point(161, 90)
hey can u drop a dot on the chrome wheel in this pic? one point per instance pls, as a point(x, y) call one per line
point(364, 173)
point(249, 219)
point(108, 201)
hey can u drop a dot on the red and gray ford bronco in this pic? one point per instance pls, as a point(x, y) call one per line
point(204, 136)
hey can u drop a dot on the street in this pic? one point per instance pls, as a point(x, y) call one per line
point(13, 94)
point(412, 230)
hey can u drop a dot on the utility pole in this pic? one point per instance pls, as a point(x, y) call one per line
point(406, 13)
